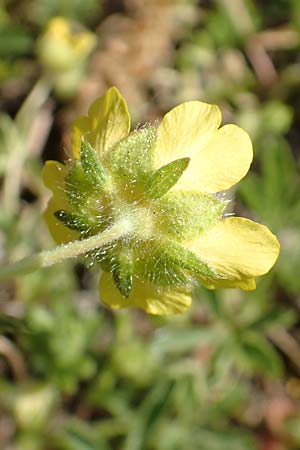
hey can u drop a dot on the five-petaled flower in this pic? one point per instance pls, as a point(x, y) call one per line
point(165, 182)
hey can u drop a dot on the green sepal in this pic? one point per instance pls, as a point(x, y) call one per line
point(165, 177)
point(78, 188)
point(169, 264)
point(187, 260)
point(122, 272)
point(106, 256)
point(182, 215)
point(131, 162)
point(73, 221)
point(156, 265)
point(131, 157)
point(91, 165)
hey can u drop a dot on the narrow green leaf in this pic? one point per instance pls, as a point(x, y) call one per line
point(275, 317)
point(257, 355)
point(123, 272)
point(10, 323)
point(165, 177)
point(79, 442)
point(91, 164)
point(149, 414)
point(170, 341)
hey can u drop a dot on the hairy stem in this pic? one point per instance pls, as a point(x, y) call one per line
point(62, 252)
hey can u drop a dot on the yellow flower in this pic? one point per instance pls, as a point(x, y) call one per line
point(61, 47)
point(63, 50)
point(165, 181)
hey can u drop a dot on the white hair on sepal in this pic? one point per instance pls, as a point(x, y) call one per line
point(159, 269)
point(229, 214)
point(142, 126)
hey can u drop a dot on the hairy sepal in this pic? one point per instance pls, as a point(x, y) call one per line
point(131, 162)
point(122, 272)
point(91, 165)
point(77, 185)
point(181, 215)
point(165, 178)
point(75, 222)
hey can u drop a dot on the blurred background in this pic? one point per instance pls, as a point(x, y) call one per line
point(74, 375)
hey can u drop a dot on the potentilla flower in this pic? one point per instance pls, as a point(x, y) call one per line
point(63, 51)
point(163, 183)
point(62, 47)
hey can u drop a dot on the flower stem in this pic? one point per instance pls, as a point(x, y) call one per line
point(71, 250)
point(17, 137)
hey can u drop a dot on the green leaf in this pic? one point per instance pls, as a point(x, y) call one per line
point(165, 177)
point(15, 41)
point(12, 324)
point(221, 361)
point(274, 195)
point(149, 413)
point(274, 318)
point(183, 340)
point(257, 355)
point(78, 442)
point(78, 435)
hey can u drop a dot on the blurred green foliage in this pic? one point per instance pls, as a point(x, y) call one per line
point(225, 376)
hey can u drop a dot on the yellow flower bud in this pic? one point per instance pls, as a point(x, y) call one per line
point(63, 50)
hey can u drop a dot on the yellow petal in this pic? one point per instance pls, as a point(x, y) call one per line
point(81, 127)
point(59, 27)
point(221, 164)
point(186, 130)
point(54, 177)
point(247, 284)
point(219, 158)
point(237, 249)
point(146, 296)
point(108, 122)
